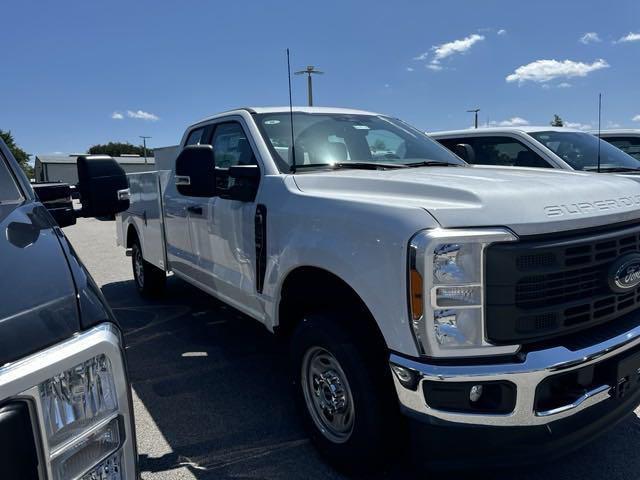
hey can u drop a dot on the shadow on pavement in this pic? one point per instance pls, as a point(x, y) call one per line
point(215, 384)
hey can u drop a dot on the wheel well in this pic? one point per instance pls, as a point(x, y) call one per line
point(312, 289)
point(132, 234)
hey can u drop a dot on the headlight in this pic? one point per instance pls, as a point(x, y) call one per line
point(80, 406)
point(80, 414)
point(446, 291)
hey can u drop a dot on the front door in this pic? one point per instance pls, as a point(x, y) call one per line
point(226, 232)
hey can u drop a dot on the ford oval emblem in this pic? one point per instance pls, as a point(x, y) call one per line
point(624, 274)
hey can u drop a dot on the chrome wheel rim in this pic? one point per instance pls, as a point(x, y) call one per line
point(327, 395)
point(138, 268)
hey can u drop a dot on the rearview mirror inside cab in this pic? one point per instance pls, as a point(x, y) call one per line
point(103, 186)
point(195, 171)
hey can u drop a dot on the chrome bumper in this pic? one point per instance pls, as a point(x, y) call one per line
point(526, 376)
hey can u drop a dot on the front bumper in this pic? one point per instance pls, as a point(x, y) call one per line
point(526, 376)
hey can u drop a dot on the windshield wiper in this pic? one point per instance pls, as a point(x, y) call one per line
point(612, 169)
point(431, 163)
point(368, 165)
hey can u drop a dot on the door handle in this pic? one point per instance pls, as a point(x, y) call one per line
point(195, 209)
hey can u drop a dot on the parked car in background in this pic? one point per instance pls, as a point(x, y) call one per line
point(498, 309)
point(539, 147)
point(627, 140)
point(65, 401)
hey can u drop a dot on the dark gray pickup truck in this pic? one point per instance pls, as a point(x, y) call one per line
point(65, 402)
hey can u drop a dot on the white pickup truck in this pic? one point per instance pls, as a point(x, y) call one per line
point(496, 308)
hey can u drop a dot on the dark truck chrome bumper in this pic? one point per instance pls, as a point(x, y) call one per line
point(526, 376)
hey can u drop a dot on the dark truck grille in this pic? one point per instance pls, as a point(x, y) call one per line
point(539, 289)
point(18, 455)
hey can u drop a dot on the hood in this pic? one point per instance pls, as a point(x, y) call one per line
point(39, 306)
point(528, 200)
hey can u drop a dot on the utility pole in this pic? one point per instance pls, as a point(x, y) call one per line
point(310, 70)
point(475, 112)
point(144, 142)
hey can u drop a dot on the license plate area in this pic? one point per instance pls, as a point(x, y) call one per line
point(627, 375)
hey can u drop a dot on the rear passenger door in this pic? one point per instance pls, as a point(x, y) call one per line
point(178, 208)
point(498, 150)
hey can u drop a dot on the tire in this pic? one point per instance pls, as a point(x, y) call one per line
point(355, 383)
point(149, 279)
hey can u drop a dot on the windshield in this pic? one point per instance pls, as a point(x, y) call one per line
point(580, 150)
point(332, 139)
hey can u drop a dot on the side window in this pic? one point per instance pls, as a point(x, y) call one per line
point(505, 151)
point(9, 192)
point(230, 147)
point(195, 137)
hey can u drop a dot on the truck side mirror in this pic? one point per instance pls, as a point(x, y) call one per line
point(246, 179)
point(56, 198)
point(465, 152)
point(103, 186)
point(195, 171)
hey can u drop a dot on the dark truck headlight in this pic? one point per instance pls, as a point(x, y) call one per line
point(81, 406)
point(446, 291)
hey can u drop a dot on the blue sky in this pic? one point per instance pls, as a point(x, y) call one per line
point(69, 67)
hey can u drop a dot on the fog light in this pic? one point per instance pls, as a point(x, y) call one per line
point(475, 393)
point(408, 378)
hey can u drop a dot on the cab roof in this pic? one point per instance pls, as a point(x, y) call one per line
point(284, 109)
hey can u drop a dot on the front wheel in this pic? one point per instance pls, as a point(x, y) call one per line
point(150, 280)
point(344, 390)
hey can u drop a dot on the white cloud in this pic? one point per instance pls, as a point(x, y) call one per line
point(455, 47)
point(502, 31)
point(578, 125)
point(564, 85)
point(386, 85)
point(590, 37)
point(636, 118)
point(444, 50)
point(611, 124)
point(142, 115)
point(409, 69)
point(117, 116)
point(542, 71)
point(512, 122)
point(630, 37)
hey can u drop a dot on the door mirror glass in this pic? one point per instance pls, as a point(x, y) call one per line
point(56, 198)
point(103, 186)
point(195, 171)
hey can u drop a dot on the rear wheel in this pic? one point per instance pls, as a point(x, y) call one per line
point(343, 387)
point(150, 280)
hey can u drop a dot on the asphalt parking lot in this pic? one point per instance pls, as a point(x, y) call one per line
point(212, 400)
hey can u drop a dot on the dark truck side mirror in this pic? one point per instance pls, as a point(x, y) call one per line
point(103, 186)
point(246, 179)
point(195, 171)
point(465, 152)
point(56, 198)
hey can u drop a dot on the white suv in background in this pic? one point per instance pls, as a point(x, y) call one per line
point(540, 147)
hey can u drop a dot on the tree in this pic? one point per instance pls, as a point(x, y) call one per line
point(557, 121)
point(117, 149)
point(20, 155)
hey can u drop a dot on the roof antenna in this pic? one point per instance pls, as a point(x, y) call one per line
point(599, 125)
point(293, 145)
